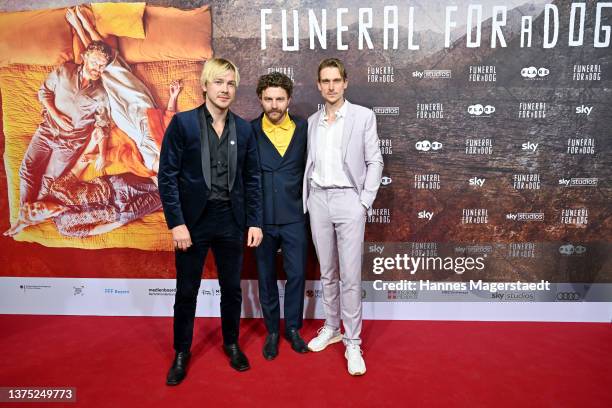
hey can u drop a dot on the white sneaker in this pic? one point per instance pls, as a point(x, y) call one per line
point(356, 365)
point(325, 337)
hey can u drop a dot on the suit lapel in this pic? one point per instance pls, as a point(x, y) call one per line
point(205, 152)
point(267, 148)
point(312, 135)
point(232, 147)
point(292, 142)
point(348, 128)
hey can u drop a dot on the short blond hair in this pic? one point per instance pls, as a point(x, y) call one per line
point(216, 67)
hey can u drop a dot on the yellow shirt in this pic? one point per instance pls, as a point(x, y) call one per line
point(280, 135)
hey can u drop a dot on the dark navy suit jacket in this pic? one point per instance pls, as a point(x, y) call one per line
point(282, 176)
point(185, 175)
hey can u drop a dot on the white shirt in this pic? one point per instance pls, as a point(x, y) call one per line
point(328, 169)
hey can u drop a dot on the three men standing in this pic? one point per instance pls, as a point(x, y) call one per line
point(281, 139)
point(343, 173)
point(210, 182)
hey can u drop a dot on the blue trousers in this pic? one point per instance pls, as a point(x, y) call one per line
point(291, 239)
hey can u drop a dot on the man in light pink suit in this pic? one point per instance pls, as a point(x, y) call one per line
point(343, 173)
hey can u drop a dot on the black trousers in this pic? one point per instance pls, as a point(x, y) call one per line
point(291, 238)
point(218, 230)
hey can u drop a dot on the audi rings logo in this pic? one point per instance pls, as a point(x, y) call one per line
point(569, 249)
point(478, 110)
point(533, 72)
point(568, 296)
point(426, 145)
point(385, 180)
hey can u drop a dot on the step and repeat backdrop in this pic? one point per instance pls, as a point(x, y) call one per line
point(494, 124)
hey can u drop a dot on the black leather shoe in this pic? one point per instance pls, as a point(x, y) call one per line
point(178, 371)
point(270, 348)
point(297, 342)
point(238, 360)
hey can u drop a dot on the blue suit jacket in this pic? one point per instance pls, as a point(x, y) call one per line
point(282, 175)
point(184, 171)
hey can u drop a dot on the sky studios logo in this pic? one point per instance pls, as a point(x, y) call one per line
point(482, 73)
point(476, 182)
point(427, 181)
point(479, 146)
point(533, 73)
point(584, 110)
point(283, 70)
point(380, 74)
point(532, 110)
point(474, 249)
point(426, 146)
point(575, 216)
point(386, 110)
point(429, 111)
point(425, 215)
point(526, 181)
point(587, 72)
point(579, 182)
point(475, 216)
point(432, 74)
point(380, 216)
point(482, 111)
point(525, 217)
point(529, 146)
point(583, 145)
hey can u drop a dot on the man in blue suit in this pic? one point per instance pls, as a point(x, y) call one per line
point(281, 141)
point(210, 186)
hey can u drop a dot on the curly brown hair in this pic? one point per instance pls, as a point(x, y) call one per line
point(102, 47)
point(276, 80)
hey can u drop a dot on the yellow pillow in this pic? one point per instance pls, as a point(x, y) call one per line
point(40, 37)
point(120, 19)
point(172, 34)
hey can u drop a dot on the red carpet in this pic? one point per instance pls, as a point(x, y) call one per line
point(122, 362)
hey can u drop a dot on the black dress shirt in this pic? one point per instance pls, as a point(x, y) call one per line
point(219, 155)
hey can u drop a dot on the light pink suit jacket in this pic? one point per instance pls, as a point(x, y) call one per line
point(363, 162)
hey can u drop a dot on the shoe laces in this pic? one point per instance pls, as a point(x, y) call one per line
point(324, 329)
point(352, 348)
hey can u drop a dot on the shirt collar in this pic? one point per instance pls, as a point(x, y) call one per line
point(340, 113)
point(269, 126)
point(209, 117)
